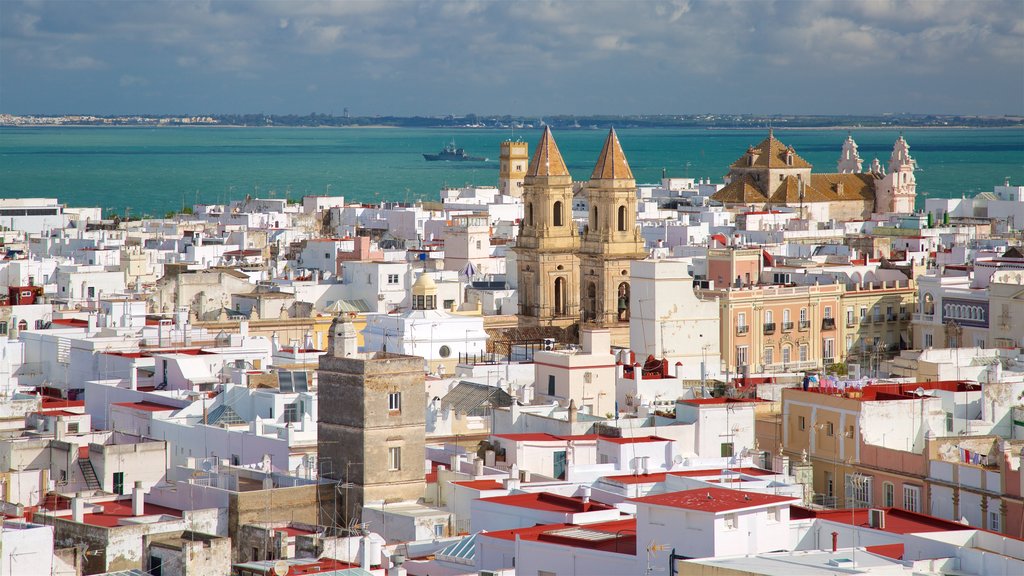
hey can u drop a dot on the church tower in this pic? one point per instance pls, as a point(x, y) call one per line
point(611, 240)
point(849, 160)
point(897, 190)
point(548, 241)
point(514, 159)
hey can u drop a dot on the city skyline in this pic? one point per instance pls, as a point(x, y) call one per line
point(517, 58)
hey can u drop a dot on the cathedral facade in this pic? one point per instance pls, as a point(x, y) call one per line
point(773, 174)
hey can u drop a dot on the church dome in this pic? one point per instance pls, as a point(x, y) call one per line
point(424, 293)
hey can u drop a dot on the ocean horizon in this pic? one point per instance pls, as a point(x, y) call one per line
point(153, 170)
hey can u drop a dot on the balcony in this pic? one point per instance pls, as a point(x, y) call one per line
point(828, 324)
point(828, 360)
point(877, 319)
point(787, 326)
point(850, 322)
point(904, 316)
point(865, 320)
point(922, 317)
point(890, 318)
point(804, 325)
point(769, 328)
point(741, 330)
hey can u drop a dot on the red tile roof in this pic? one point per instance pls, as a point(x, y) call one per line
point(115, 511)
point(620, 535)
point(635, 440)
point(547, 501)
point(147, 406)
point(714, 500)
point(480, 484)
point(897, 521)
point(292, 531)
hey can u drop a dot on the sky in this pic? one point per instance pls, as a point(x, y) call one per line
point(512, 57)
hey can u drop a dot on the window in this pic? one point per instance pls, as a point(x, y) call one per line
point(769, 356)
point(327, 254)
point(828, 312)
point(392, 278)
point(911, 498)
point(448, 304)
point(72, 427)
point(741, 355)
point(785, 316)
point(858, 491)
point(863, 313)
point(787, 352)
point(830, 429)
point(291, 413)
point(395, 401)
point(741, 320)
point(849, 316)
point(801, 421)
point(395, 458)
point(439, 530)
point(118, 482)
point(622, 219)
point(551, 384)
point(803, 352)
point(92, 291)
point(888, 494)
point(730, 521)
point(928, 340)
point(727, 449)
point(3, 328)
point(949, 421)
point(803, 315)
point(829, 349)
point(477, 244)
point(557, 213)
point(768, 317)
point(993, 521)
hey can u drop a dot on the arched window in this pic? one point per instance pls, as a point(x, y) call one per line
point(591, 301)
point(557, 213)
point(623, 302)
point(622, 219)
point(593, 219)
point(22, 325)
point(529, 214)
point(559, 294)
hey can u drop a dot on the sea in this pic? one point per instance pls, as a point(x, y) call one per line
point(150, 171)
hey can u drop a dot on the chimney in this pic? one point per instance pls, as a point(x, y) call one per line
point(478, 467)
point(78, 508)
point(138, 500)
point(835, 541)
point(396, 565)
point(456, 462)
point(586, 496)
point(365, 560)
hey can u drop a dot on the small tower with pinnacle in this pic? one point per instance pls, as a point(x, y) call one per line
point(849, 161)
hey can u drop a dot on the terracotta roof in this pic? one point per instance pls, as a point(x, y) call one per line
point(771, 153)
point(854, 186)
point(897, 521)
point(548, 501)
point(611, 163)
point(741, 190)
point(547, 160)
point(614, 536)
point(789, 193)
point(714, 500)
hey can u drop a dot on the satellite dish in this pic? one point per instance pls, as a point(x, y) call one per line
point(280, 568)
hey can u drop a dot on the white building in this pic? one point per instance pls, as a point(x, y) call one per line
point(585, 376)
point(668, 321)
point(32, 215)
point(438, 336)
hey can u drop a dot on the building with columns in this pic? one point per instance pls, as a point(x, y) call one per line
point(611, 240)
point(773, 174)
point(547, 248)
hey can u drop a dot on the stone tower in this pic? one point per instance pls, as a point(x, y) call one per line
point(371, 426)
point(514, 159)
point(897, 190)
point(611, 239)
point(548, 241)
point(849, 160)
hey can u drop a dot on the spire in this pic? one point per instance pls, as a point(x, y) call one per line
point(611, 163)
point(547, 160)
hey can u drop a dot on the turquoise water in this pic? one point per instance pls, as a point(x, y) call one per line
point(153, 170)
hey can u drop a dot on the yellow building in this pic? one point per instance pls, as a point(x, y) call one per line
point(877, 321)
point(779, 328)
point(514, 158)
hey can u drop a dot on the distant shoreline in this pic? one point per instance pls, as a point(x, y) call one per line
point(558, 128)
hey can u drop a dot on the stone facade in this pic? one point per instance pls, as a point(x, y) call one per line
point(514, 159)
point(548, 243)
point(371, 427)
point(611, 239)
